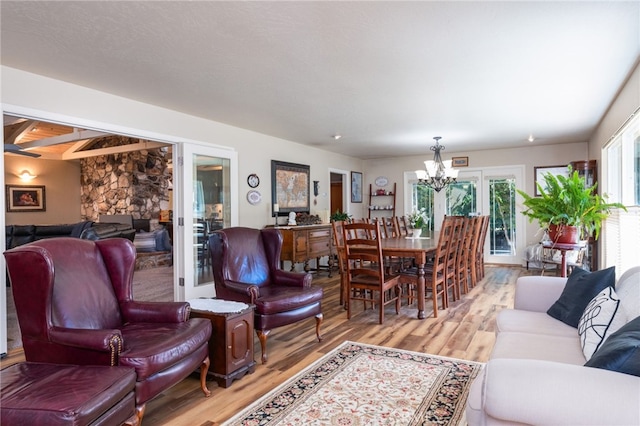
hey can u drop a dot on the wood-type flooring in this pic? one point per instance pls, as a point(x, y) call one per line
point(466, 330)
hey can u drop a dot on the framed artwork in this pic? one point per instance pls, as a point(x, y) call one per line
point(459, 161)
point(539, 173)
point(289, 187)
point(26, 198)
point(356, 187)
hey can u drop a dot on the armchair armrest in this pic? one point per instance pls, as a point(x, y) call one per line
point(97, 340)
point(292, 279)
point(543, 392)
point(537, 294)
point(155, 312)
point(251, 291)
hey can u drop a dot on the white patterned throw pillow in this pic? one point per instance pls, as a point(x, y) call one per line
point(602, 317)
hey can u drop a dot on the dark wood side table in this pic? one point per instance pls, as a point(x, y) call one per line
point(564, 248)
point(231, 342)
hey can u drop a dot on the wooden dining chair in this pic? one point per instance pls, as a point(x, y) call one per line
point(401, 226)
point(434, 272)
point(475, 241)
point(451, 281)
point(367, 278)
point(480, 249)
point(338, 241)
point(464, 256)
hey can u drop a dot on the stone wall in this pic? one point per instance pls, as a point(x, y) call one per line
point(135, 183)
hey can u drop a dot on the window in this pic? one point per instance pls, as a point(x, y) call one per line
point(621, 230)
point(422, 197)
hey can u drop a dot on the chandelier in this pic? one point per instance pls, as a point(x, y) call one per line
point(438, 173)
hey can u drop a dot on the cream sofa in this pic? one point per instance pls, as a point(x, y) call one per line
point(536, 374)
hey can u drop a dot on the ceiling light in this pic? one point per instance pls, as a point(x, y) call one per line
point(437, 174)
point(531, 138)
point(336, 137)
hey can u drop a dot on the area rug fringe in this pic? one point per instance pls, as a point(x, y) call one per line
point(358, 384)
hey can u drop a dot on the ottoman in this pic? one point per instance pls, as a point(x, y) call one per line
point(53, 394)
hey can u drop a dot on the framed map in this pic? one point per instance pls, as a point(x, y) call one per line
point(290, 187)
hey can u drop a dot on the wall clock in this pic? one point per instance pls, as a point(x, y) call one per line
point(381, 181)
point(253, 180)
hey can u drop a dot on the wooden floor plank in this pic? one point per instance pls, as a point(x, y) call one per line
point(465, 330)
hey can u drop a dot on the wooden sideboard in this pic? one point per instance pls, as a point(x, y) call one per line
point(305, 242)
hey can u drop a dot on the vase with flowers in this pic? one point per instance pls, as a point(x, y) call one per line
point(417, 220)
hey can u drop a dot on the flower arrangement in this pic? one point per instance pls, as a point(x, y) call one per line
point(418, 218)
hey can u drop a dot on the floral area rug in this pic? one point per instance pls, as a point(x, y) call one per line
point(358, 384)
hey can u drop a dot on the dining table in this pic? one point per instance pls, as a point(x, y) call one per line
point(417, 248)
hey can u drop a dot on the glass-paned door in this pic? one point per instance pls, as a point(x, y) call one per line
point(422, 198)
point(502, 223)
point(505, 240)
point(208, 184)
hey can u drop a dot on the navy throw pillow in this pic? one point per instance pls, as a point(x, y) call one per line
point(581, 287)
point(621, 351)
point(163, 242)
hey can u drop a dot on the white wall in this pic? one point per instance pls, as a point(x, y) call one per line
point(22, 91)
point(627, 101)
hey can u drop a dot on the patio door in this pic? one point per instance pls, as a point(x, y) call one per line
point(207, 179)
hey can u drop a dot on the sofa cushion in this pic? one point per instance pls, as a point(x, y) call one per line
point(621, 351)
point(562, 349)
point(145, 241)
point(602, 317)
point(532, 322)
point(581, 287)
point(163, 241)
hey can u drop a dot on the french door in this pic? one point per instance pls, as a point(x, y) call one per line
point(488, 191)
point(207, 181)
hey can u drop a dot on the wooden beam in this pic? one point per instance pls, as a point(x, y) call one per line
point(68, 155)
point(76, 135)
point(25, 127)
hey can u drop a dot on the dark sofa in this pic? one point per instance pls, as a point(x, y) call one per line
point(17, 235)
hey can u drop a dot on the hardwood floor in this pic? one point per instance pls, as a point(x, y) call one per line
point(465, 330)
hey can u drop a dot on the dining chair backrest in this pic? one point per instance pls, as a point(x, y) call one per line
point(401, 226)
point(368, 262)
point(475, 241)
point(366, 268)
point(464, 254)
point(451, 281)
point(484, 226)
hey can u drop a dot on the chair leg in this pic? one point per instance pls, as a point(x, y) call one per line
point(204, 368)
point(140, 413)
point(262, 336)
point(381, 305)
point(398, 291)
point(319, 319)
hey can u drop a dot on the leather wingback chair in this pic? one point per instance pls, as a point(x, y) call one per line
point(246, 268)
point(75, 305)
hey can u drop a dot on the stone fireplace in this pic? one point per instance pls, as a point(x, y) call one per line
point(135, 183)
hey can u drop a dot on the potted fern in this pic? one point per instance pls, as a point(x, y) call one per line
point(567, 208)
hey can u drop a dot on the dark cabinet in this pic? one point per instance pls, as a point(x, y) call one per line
point(589, 171)
point(230, 345)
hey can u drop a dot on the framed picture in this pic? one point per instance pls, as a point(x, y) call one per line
point(356, 187)
point(289, 187)
point(459, 161)
point(539, 173)
point(26, 198)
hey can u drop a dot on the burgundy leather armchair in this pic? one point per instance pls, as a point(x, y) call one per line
point(75, 305)
point(246, 268)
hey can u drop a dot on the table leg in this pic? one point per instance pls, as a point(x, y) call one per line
point(563, 264)
point(421, 287)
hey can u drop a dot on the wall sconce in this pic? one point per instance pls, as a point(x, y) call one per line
point(26, 176)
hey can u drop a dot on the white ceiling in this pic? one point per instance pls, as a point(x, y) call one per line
point(387, 75)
